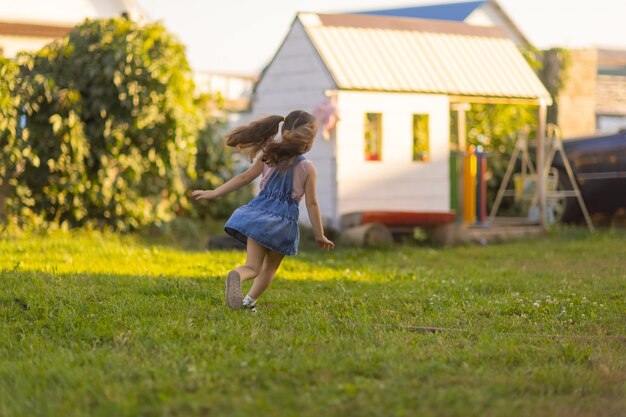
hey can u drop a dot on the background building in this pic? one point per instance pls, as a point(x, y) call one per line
point(235, 90)
point(28, 25)
point(479, 13)
point(390, 148)
point(593, 98)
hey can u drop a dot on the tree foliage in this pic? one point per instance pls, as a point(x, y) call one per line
point(15, 148)
point(214, 163)
point(112, 128)
point(8, 122)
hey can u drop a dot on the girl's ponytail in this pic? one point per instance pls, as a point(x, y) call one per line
point(253, 138)
point(298, 134)
point(294, 142)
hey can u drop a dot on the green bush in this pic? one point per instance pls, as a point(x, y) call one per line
point(16, 150)
point(112, 130)
point(214, 166)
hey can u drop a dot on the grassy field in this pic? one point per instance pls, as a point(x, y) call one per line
point(101, 325)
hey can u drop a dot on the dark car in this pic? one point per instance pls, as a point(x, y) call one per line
point(599, 165)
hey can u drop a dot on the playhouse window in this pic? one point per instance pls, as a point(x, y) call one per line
point(373, 134)
point(421, 138)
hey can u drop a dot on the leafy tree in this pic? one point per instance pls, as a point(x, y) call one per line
point(113, 123)
point(495, 127)
point(214, 162)
point(14, 147)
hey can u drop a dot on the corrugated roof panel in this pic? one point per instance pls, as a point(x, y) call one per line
point(467, 62)
point(406, 46)
point(427, 63)
point(516, 71)
point(333, 53)
point(475, 73)
point(431, 61)
point(389, 74)
point(494, 68)
point(403, 70)
point(449, 65)
point(418, 74)
point(368, 59)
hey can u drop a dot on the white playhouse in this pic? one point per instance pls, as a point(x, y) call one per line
point(383, 89)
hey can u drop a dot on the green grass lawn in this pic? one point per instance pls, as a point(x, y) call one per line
point(102, 325)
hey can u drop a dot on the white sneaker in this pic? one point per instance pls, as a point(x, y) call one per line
point(251, 307)
point(248, 304)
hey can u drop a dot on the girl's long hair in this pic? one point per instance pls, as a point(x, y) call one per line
point(298, 132)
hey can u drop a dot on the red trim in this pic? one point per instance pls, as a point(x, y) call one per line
point(408, 218)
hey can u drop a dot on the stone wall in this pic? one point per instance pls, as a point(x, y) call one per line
point(577, 100)
point(611, 95)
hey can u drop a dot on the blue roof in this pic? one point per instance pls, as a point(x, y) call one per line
point(449, 11)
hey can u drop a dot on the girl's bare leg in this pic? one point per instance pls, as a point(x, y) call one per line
point(265, 276)
point(254, 260)
point(254, 263)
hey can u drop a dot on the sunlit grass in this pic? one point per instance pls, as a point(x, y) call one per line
point(98, 324)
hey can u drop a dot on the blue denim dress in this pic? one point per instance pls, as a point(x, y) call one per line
point(271, 218)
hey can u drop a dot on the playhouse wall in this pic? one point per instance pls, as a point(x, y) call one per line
point(396, 183)
point(297, 79)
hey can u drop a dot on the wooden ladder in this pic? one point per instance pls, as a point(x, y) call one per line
point(556, 145)
point(521, 149)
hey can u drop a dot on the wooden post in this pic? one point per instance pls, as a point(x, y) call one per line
point(541, 169)
point(460, 108)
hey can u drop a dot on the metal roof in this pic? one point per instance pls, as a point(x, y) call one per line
point(449, 11)
point(378, 53)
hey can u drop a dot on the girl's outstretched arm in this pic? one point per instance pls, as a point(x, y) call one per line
point(233, 184)
point(313, 208)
